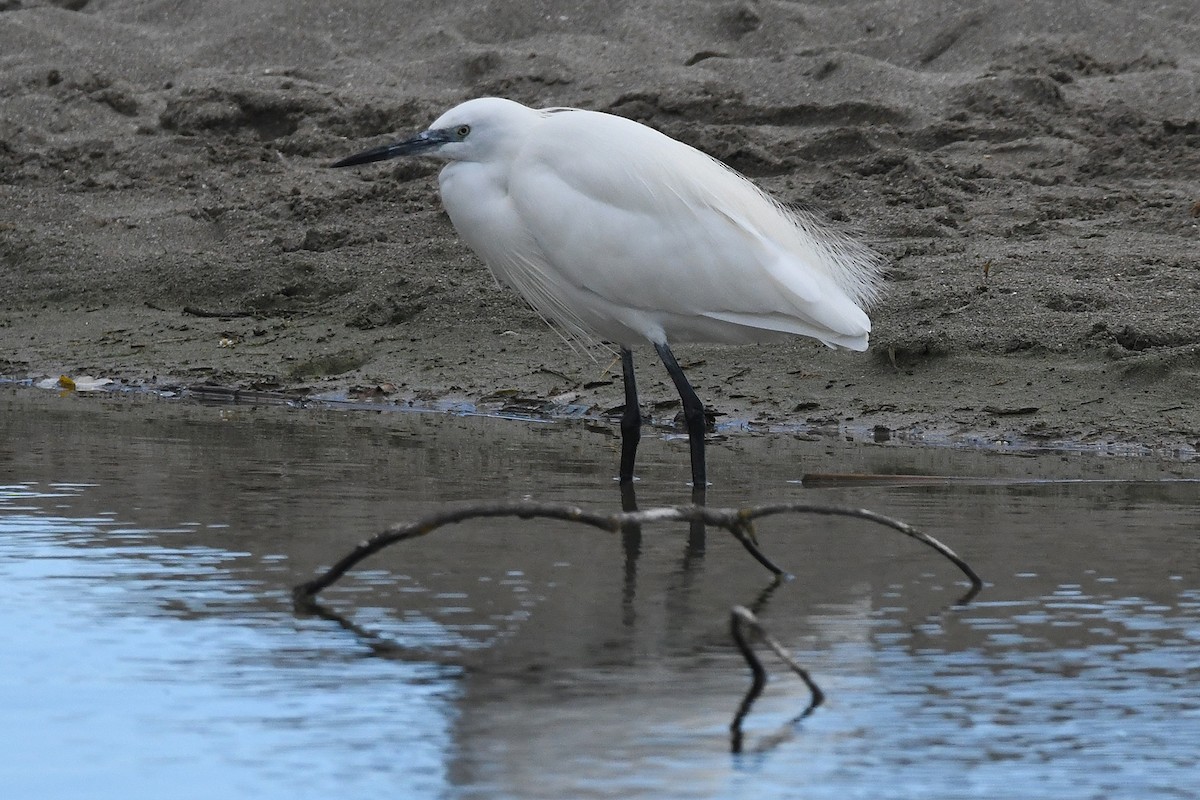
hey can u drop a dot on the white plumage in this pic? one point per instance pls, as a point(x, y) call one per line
point(617, 233)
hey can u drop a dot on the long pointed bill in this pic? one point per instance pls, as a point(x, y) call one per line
point(426, 140)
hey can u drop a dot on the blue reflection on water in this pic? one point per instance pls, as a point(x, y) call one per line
point(137, 670)
point(1073, 694)
point(152, 662)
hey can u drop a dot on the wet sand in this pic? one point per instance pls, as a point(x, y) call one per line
point(1032, 174)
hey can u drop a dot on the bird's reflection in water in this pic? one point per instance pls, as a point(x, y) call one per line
point(631, 540)
point(631, 543)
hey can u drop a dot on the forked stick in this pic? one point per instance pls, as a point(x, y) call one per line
point(880, 519)
point(739, 522)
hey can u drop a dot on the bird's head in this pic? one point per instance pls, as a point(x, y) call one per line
point(483, 129)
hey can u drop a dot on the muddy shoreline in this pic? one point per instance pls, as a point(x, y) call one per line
point(1032, 175)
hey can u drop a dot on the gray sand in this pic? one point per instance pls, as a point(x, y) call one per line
point(1031, 170)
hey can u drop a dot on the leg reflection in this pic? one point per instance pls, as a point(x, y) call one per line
point(631, 543)
point(694, 553)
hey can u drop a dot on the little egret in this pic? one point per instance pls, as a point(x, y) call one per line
point(617, 233)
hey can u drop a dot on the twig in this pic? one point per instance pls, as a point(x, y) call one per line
point(738, 522)
point(729, 519)
point(887, 522)
point(740, 618)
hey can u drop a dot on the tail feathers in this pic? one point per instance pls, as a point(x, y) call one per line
point(786, 323)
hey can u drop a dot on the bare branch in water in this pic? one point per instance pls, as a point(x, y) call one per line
point(739, 522)
point(879, 519)
point(740, 619)
point(722, 518)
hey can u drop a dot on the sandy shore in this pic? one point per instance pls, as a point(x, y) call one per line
point(1031, 171)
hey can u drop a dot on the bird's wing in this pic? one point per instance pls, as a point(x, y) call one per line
point(645, 222)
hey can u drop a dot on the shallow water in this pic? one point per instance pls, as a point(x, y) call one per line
point(147, 550)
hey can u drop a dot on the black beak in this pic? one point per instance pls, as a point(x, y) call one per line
point(426, 140)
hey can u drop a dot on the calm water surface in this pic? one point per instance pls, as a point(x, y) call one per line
point(149, 647)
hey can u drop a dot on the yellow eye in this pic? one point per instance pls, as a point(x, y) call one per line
point(462, 130)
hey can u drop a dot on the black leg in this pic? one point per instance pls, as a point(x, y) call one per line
point(693, 414)
point(631, 418)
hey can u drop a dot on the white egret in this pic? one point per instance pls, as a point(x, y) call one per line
point(617, 233)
